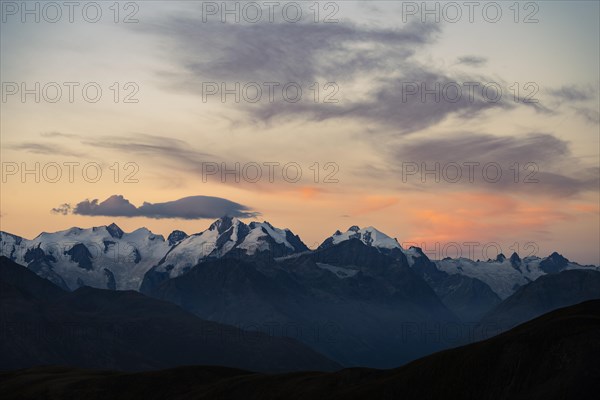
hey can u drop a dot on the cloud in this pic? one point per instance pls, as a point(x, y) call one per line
point(196, 207)
point(193, 207)
point(114, 206)
point(169, 152)
point(399, 101)
point(537, 146)
point(537, 163)
point(63, 209)
point(150, 145)
point(57, 134)
point(392, 102)
point(45, 149)
point(174, 154)
point(284, 52)
point(306, 53)
point(591, 116)
point(473, 61)
point(573, 93)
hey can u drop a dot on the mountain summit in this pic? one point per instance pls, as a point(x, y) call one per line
point(369, 236)
point(115, 231)
point(227, 236)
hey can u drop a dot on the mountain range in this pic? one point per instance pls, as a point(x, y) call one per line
point(359, 299)
point(106, 257)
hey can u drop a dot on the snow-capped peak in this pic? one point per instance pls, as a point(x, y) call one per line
point(505, 275)
point(115, 231)
point(263, 236)
point(101, 256)
point(225, 235)
point(176, 236)
point(369, 236)
point(224, 223)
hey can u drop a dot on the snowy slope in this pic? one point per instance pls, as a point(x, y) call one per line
point(258, 238)
point(369, 236)
point(102, 257)
point(412, 254)
point(503, 275)
point(223, 237)
point(107, 257)
point(506, 275)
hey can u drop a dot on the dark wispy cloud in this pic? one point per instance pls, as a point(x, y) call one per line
point(286, 52)
point(185, 157)
point(474, 61)
point(174, 160)
point(63, 209)
point(545, 163)
point(578, 98)
point(46, 149)
point(395, 103)
point(533, 147)
point(399, 103)
point(173, 155)
point(166, 148)
point(163, 150)
point(589, 115)
point(573, 93)
point(193, 207)
point(344, 53)
point(54, 134)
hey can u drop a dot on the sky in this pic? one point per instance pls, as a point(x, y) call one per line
point(462, 131)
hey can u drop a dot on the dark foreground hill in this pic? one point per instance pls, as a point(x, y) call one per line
point(554, 356)
point(41, 324)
